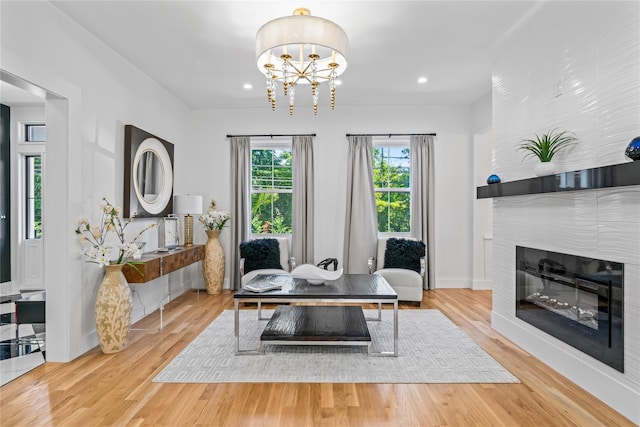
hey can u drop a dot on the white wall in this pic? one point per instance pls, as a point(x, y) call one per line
point(102, 92)
point(482, 213)
point(207, 171)
point(481, 118)
point(482, 114)
point(591, 50)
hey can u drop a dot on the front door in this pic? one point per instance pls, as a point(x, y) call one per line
point(5, 192)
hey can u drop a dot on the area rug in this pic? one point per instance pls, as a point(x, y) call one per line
point(432, 349)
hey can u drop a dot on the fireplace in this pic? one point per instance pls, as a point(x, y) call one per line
point(578, 300)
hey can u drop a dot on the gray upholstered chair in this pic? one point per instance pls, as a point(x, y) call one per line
point(406, 282)
point(267, 264)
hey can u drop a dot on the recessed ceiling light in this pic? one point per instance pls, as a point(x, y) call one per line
point(422, 80)
point(247, 86)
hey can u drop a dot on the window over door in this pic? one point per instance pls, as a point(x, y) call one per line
point(271, 188)
point(391, 181)
point(35, 132)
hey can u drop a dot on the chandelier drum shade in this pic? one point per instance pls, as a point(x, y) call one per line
point(301, 49)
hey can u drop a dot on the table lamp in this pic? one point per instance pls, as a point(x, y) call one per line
point(187, 205)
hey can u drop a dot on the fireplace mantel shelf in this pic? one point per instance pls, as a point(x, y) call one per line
point(619, 175)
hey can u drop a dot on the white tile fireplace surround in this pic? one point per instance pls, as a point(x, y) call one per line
point(603, 224)
point(581, 75)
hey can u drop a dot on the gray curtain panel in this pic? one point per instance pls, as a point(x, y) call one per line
point(422, 200)
point(302, 221)
point(361, 222)
point(240, 202)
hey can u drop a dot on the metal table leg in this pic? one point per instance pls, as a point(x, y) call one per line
point(393, 353)
point(236, 331)
point(236, 324)
point(395, 328)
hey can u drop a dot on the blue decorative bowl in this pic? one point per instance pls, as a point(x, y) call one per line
point(633, 149)
point(493, 179)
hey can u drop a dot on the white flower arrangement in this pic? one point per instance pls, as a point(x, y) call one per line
point(95, 236)
point(214, 220)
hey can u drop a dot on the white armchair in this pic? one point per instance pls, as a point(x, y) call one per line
point(287, 263)
point(407, 283)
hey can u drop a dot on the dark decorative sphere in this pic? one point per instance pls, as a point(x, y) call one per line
point(633, 149)
point(493, 179)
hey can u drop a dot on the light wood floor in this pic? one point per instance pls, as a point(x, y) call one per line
point(97, 389)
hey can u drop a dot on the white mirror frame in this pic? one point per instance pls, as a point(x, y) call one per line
point(159, 203)
point(137, 142)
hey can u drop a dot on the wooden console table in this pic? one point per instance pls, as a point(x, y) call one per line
point(156, 264)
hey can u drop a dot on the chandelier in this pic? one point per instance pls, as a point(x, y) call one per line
point(301, 49)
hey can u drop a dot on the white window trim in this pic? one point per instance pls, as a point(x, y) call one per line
point(23, 150)
point(263, 143)
point(393, 141)
point(22, 134)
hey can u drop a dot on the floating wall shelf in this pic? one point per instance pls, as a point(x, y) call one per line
point(585, 179)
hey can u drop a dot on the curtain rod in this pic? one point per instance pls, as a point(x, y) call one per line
point(274, 135)
point(390, 134)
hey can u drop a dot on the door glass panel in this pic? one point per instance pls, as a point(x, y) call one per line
point(33, 202)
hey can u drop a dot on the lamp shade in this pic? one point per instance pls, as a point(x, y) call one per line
point(188, 204)
point(302, 30)
point(301, 50)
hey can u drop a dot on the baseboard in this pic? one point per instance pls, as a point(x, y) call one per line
point(452, 283)
point(481, 285)
point(589, 374)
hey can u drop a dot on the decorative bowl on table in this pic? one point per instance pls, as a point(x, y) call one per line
point(315, 275)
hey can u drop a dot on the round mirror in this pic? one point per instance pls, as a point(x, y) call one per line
point(149, 176)
point(152, 175)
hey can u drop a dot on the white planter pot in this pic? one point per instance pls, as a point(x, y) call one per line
point(545, 168)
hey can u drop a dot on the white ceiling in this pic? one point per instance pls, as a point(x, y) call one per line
point(203, 51)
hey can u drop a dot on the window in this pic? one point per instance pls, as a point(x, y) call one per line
point(33, 197)
point(271, 190)
point(35, 133)
point(391, 180)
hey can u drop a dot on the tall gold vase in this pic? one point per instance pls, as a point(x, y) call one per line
point(113, 310)
point(213, 263)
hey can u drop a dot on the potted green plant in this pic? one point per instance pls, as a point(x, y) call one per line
point(544, 147)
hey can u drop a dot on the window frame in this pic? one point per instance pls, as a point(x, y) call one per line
point(275, 143)
point(28, 181)
point(25, 150)
point(395, 142)
point(25, 126)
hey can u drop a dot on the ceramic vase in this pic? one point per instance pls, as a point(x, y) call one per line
point(633, 149)
point(545, 168)
point(493, 179)
point(113, 310)
point(213, 263)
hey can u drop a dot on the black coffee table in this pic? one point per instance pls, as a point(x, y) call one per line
point(306, 324)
